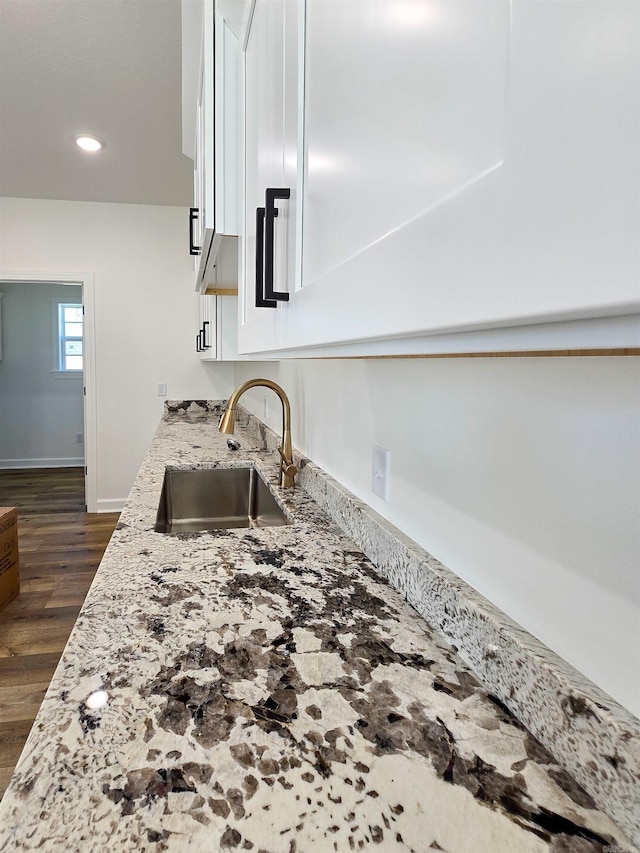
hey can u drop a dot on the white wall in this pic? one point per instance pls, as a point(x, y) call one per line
point(40, 414)
point(522, 475)
point(144, 314)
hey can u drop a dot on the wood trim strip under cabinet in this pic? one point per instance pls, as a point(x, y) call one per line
point(552, 353)
point(220, 291)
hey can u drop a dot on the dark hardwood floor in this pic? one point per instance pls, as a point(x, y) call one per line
point(60, 548)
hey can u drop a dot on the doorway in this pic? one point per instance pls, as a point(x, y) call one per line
point(78, 286)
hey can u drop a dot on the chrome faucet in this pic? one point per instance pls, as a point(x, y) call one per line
point(227, 425)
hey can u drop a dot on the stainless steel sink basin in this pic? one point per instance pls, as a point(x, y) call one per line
point(214, 499)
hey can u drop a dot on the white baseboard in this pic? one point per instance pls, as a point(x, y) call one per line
point(111, 505)
point(61, 462)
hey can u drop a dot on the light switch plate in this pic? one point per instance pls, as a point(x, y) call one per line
point(380, 472)
point(162, 389)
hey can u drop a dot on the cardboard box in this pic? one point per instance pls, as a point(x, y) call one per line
point(9, 568)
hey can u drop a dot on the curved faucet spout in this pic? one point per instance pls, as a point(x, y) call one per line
point(288, 470)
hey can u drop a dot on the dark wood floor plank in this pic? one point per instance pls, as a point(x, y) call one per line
point(12, 739)
point(13, 736)
point(28, 602)
point(27, 669)
point(21, 702)
point(39, 633)
point(43, 490)
point(60, 547)
point(5, 776)
point(72, 593)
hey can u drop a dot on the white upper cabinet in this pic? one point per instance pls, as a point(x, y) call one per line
point(216, 338)
point(206, 343)
point(215, 215)
point(211, 136)
point(404, 114)
point(270, 232)
point(453, 167)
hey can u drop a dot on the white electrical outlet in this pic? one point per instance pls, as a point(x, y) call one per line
point(380, 472)
point(265, 407)
point(162, 389)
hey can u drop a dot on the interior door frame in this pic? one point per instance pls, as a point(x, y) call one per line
point(86, 281)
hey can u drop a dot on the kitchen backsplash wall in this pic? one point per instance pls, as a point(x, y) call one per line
point(522, 475)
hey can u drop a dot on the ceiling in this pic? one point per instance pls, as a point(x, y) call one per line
point(111, 68)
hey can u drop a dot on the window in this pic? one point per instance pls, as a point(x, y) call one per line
point(69, 349)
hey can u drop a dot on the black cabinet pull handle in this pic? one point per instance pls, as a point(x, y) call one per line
point(194, 215)
point(203, 332)
point(261, 302)
point(198, 348)
point(271, 211)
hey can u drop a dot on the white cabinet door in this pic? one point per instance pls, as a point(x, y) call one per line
point(206, 339)
point(270, 88)
point(217, 142)
point(203, 212)
point(467, 165)
point(216, 338)
point(226, 154)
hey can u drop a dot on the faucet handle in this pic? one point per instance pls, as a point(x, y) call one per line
point(287, 467)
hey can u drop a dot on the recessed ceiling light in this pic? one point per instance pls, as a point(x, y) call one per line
point(88, 143)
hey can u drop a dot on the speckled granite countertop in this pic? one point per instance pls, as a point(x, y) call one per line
point(264, 689)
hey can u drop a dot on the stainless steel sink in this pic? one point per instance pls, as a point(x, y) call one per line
point(214, 499)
